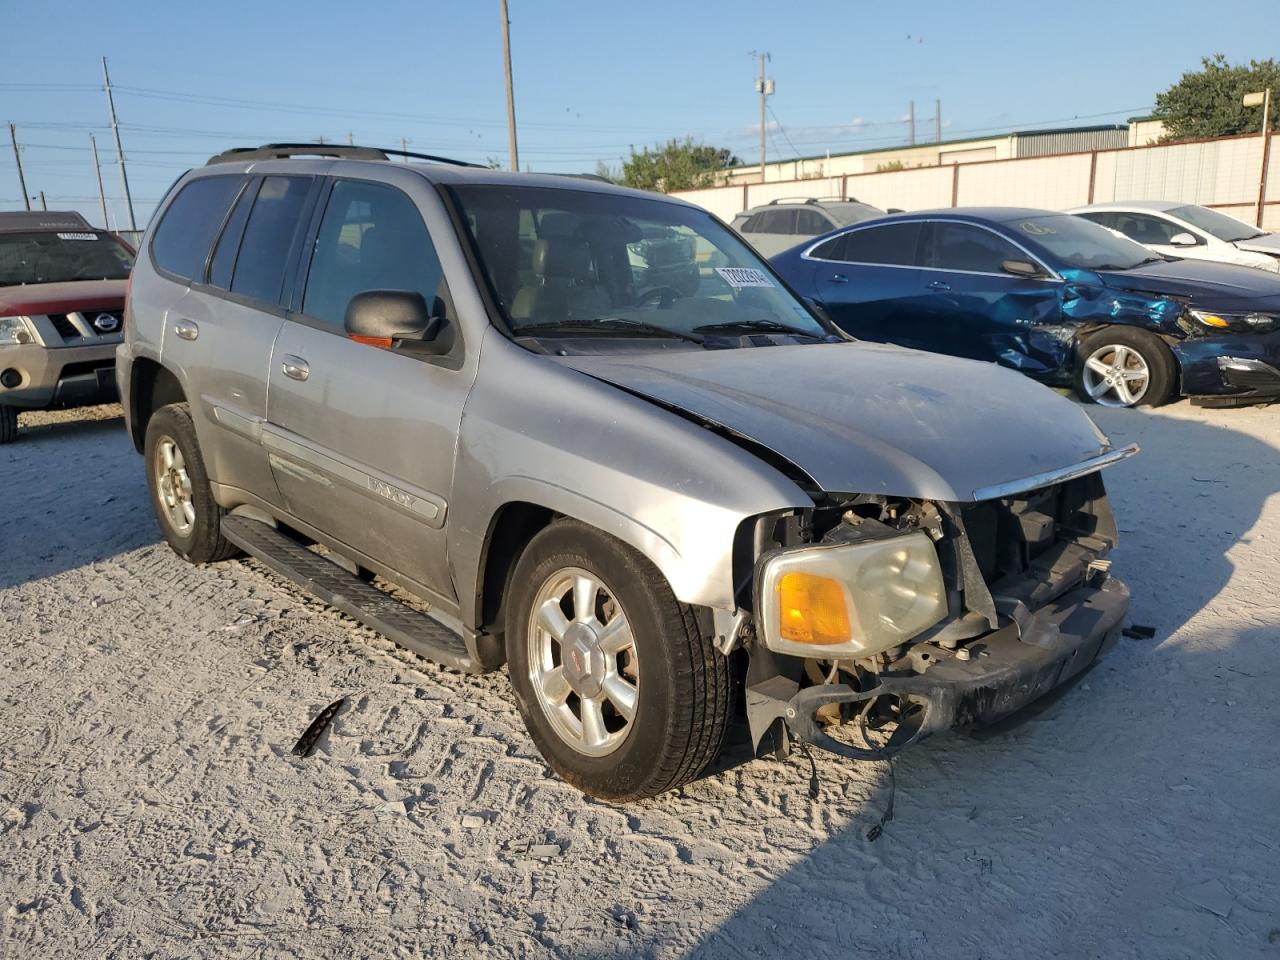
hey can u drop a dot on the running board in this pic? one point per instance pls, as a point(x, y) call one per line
point(399, 623)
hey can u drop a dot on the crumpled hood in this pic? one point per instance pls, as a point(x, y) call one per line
point(65, 297)
point(869, 418)
point(1217, 286)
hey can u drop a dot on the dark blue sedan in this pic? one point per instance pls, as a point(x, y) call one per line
point(1053, 295)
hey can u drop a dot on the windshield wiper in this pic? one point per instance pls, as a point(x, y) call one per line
point(759, 326)
point(605, 326)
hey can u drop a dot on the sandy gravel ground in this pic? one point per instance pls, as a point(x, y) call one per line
point(150, 807)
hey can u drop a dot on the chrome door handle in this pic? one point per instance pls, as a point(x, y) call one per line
point(938, 285)
point(186, 329)
point(839, 278)
point(295, 368)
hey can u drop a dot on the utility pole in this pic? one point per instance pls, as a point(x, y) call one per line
point(17, 157)
point(511, 96)
point(765, 89)
point(43, 205)
point(937, 121)
point(351, 142)
point(97, 168)
point(404, 148)
point(911, 123)
point(115, 129)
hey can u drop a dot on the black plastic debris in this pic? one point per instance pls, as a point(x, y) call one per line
point(1136, 631)
point(307, 741)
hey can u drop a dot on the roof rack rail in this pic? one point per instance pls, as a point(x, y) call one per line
point(831, 199)
point(282, 151)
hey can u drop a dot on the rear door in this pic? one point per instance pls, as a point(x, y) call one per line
point(869, 281)
point(220, 333)
point(362, 439)
point(976, 309)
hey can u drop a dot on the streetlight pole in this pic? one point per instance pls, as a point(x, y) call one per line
point(511, 96)
point(1262, 99)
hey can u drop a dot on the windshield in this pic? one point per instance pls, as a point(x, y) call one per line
point(1077, 242)
point(579, 262)
point(1218, 224)
point(57, 257)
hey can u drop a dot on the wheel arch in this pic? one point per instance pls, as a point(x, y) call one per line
point(151, 386)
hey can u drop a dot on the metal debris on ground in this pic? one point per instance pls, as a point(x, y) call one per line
point(528, 848)
point(1136, 631)
point(308, 739)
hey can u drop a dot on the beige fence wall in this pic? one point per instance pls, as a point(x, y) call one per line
point(1220, 173)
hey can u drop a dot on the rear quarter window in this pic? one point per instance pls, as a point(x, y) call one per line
point(182, 240)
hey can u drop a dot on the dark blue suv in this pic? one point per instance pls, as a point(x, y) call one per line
point(1053, 295)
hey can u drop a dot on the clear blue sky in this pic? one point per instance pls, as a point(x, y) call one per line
point(591, 78)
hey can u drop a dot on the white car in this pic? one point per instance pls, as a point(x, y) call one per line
point(1188, 230)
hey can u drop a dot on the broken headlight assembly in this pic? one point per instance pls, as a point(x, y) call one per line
point(850, 600)
point(1248, 321)
point(15, 331)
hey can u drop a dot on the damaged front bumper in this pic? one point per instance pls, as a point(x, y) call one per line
point(1003, 672)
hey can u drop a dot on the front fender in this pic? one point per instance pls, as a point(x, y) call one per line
point(536, 431)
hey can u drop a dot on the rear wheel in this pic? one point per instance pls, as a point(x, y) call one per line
point(621, 690)
point(8, 424)
point(180, 493)
point(1123, 367)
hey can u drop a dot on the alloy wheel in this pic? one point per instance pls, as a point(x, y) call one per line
point(582, 661)
point(174, 486)
point(1116, 375)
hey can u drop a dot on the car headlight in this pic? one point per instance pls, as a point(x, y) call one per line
point(1240, 321)
point(850, 600)
point(14, 331)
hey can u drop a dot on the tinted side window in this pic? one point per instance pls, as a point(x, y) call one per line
point(833, 249)
point(268, 237)
point(224, 254)
point(893, 243)
point(810, 223)
point(958, 246)
point(1146, 229)
point(371, 238)
point(191, 221)
point(1107, 220)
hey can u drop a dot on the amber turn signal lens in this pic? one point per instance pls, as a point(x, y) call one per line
point(1213, 320)
point(384, 343)
point(811, 609)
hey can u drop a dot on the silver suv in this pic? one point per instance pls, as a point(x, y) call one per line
point(781, 224)
point(645, 497)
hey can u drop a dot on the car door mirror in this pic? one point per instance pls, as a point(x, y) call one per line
point(1182, 240)
point(1021, 268)
point(395, 320)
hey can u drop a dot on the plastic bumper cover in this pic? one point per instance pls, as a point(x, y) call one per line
point(1007, 670)
point(59, 376)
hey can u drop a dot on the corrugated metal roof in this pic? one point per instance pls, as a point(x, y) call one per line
point(1040, 143)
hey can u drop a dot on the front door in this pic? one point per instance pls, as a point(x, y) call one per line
point(361, 439)
point(977, 309)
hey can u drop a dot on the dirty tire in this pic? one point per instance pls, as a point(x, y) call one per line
point(1152, 351)
point(685, 694)
point(203, 542)
point(8, 424)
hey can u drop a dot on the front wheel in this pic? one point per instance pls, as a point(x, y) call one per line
point(621, 690)
point(1123, 367)
point(180, 494)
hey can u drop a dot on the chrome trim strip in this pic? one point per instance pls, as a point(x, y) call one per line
point(1061, 475)
point(421, 505)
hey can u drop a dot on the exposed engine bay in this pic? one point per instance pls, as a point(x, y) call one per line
point(1028, 603)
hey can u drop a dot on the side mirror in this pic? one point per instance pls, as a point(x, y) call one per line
point(894, 210)
point(1021, 268)
point(395, 320)
point(1183, 240)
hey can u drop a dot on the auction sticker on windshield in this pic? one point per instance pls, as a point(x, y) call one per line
point(744, 277)
point(77, 236)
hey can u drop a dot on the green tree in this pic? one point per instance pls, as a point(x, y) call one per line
point(675, 165)
point(1206, 103)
